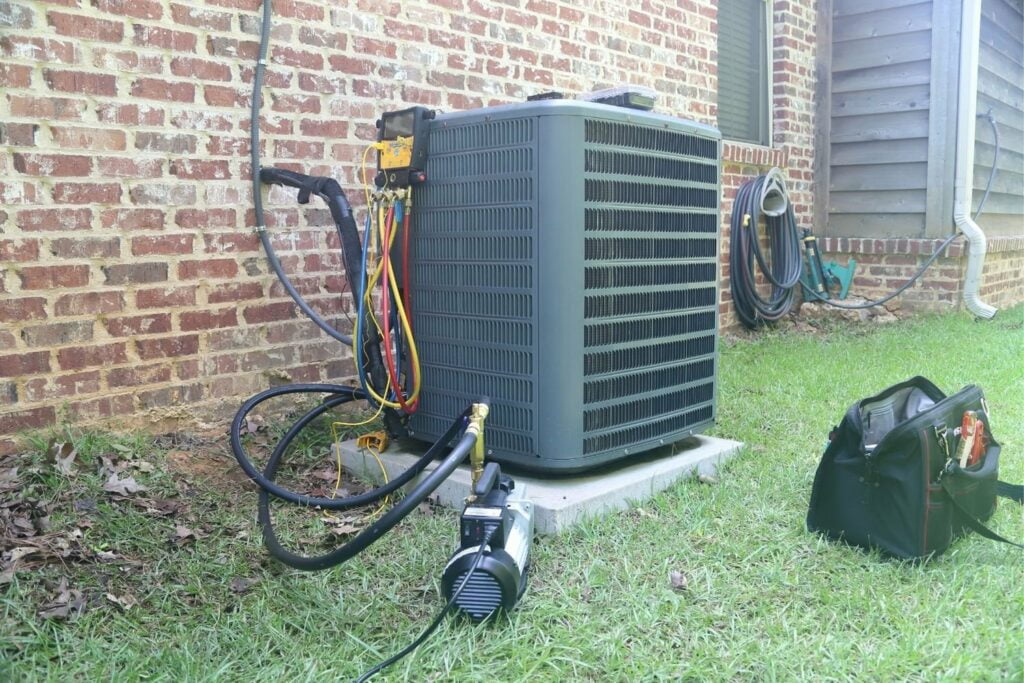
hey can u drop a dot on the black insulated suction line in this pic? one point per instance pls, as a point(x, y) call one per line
point(257, 189)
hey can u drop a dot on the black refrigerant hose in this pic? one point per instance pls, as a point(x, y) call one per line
point(339, 395)
point(335, 394)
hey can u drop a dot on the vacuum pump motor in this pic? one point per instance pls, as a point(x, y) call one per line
point(499, 580)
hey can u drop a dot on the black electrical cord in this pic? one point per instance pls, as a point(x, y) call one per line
point(783, 272)
point(995, 161)
point(437, 620)
point(938, 250)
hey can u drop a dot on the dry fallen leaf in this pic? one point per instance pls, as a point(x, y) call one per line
point(61, 454)
point(242, 585)
point(125, 602)
point(325, 474)
point(678, 580)
point(66, 604)
point(18, 553)
point(183, 535)
point(254, 423)
point(123, 487)
point(9, 479)
point(158, 507)
point(24, 526)
point(108, 466)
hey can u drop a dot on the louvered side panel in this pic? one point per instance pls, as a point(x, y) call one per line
point(473, 280)
point(650, 298)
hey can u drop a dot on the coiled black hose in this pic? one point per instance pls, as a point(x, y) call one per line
point(783, 270)
point(338, 395)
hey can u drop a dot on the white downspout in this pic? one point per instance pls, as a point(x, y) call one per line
point(963, 190)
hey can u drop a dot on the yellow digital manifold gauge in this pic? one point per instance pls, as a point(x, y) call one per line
point(402, 154)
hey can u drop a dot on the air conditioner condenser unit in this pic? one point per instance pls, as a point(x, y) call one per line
point(565, 263)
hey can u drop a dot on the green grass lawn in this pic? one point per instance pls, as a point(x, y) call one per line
point(764, 599)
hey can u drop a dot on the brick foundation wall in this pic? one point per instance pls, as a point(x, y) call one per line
point(885, 264)
point(132, 284)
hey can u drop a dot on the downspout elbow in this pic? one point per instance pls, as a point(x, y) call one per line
point(977, 246)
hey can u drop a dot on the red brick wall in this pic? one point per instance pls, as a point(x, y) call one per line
point(132, 283)
point(885, 264)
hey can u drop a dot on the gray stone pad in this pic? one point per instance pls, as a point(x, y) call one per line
point(564, 500)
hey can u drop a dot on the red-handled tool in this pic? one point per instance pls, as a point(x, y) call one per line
point(972, 440)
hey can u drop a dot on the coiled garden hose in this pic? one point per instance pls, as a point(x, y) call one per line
point(783, 271)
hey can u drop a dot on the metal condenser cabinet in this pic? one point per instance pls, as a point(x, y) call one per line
point(566, 265)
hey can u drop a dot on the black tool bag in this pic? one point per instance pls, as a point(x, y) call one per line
point(890, 480)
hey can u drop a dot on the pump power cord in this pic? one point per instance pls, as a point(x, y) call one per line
point(440, 615)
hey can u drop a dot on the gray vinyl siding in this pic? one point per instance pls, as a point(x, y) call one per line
point(1001, 89)
point(880, 99)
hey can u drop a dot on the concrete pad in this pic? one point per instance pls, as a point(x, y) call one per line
point(562, 501)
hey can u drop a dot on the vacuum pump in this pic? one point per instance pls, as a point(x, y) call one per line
point(499, 518)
